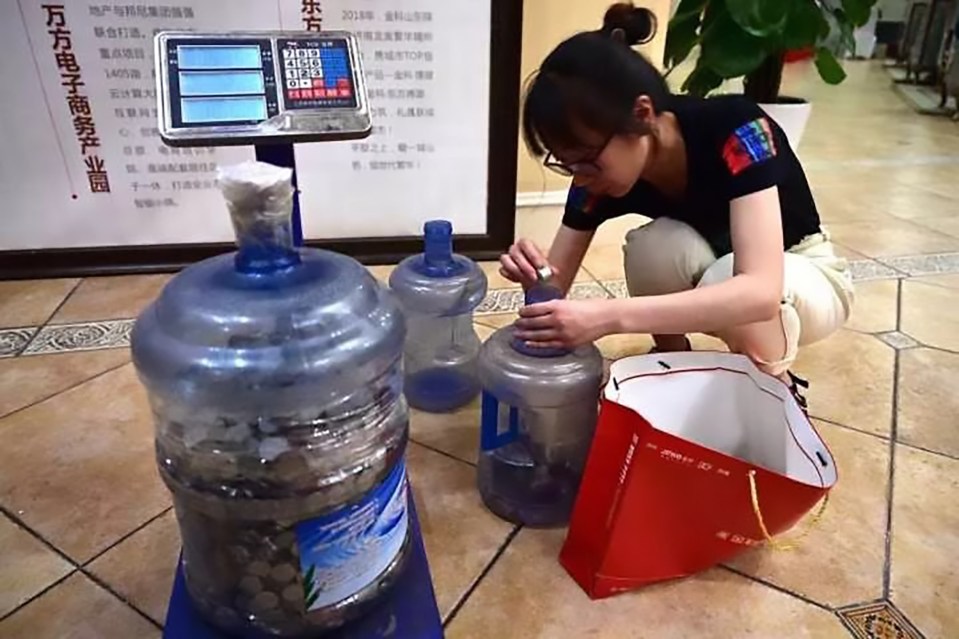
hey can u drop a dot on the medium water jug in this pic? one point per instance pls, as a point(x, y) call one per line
point(539, 412)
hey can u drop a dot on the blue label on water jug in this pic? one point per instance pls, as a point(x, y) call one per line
point(499, 423)
point(347, 550)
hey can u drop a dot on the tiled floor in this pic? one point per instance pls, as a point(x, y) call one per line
point(88, 542)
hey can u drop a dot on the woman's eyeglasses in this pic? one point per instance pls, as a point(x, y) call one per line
point(583, 168)
point(587, 167)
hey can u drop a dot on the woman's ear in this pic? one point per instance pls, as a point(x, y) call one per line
point(643, 110)
point(619, 35)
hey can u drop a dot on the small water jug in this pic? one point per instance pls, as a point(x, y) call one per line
point(438, 291)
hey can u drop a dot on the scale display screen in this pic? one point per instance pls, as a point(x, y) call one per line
point(218, 57)
point(236, 88)
point(200, 110)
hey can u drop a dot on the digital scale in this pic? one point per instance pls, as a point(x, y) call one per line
point(270, 89)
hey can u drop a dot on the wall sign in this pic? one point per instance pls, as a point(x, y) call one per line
point(90, 187)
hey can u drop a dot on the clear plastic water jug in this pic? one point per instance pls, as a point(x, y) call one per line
point(438, 291)
point(274, 375)
point(539, 413)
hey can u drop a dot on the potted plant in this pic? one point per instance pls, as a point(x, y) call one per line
point(750, 39)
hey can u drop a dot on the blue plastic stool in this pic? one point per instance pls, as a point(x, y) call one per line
point(409, 613)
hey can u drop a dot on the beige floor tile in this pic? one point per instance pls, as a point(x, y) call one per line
point(887, 238)
point(848, 253)
point(77, 609)
point(925, 541)
point(142, 567)
point(382, 272)
point(26, 566)
point(460, 535)
point(619, 346)
point(528, 594)
point(948, 225)
point(948, 281)
point(605, 261)
point(874, 310)
point(31, 302)
point(25, 380)
point(851, 376)
point(929, 313)
point(928, 403)
point(841, 560)
point(539, 224)
point(888, 197)
point(456, 433)
point(79, 468)
point(496, 321)
point(102, 298)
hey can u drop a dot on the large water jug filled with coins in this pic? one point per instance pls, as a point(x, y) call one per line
point(274, 372)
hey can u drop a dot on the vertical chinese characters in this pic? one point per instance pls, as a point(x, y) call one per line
point(312, 14)
point(78, 101)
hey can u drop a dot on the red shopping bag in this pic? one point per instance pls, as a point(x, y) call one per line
point(697, 457)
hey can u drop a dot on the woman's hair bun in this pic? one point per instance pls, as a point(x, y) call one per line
point(629, 23)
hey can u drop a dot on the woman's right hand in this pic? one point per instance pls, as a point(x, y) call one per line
point(521, 263)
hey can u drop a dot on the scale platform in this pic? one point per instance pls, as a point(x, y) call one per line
point(409, 613)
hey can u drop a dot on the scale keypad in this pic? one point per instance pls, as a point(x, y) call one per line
point(316, 74)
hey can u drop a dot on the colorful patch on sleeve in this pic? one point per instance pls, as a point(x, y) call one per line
point(581, 200)
point(749, 145)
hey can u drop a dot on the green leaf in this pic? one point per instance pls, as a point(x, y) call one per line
point(805, 25)
point(701, 81)
point(729, 50)
point(829, 68)
point(688, 8)
point(761, 18)
point(681, 37)
point(858, 10)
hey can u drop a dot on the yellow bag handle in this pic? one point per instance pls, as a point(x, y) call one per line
point(775, 543)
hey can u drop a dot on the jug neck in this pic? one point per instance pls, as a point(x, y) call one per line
point(537, 294)
point(437, 259)
point(264, 241)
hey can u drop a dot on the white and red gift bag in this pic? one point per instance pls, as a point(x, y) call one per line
point(697, 456)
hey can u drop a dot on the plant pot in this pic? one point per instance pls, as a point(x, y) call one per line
point(791, 114)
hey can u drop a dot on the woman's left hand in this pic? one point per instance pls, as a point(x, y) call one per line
point(563, 323)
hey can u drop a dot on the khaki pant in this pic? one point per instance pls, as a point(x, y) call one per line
point(668, 256)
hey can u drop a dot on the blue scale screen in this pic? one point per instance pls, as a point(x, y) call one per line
point(226, 109)
point(221, 83)
point(218, 57)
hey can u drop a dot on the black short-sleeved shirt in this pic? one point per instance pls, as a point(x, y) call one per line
point(732, 149)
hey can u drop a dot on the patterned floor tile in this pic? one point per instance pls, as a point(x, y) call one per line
point(13, 340)
point(864, 270)
point(899, 341)
point(88, 336)
point(878, 621)
point(917, 265)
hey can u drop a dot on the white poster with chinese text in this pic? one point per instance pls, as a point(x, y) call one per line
point(83, 165)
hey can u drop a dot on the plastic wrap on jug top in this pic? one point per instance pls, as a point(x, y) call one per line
point(274, 374)
point(439, 290)
point(539, 414)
